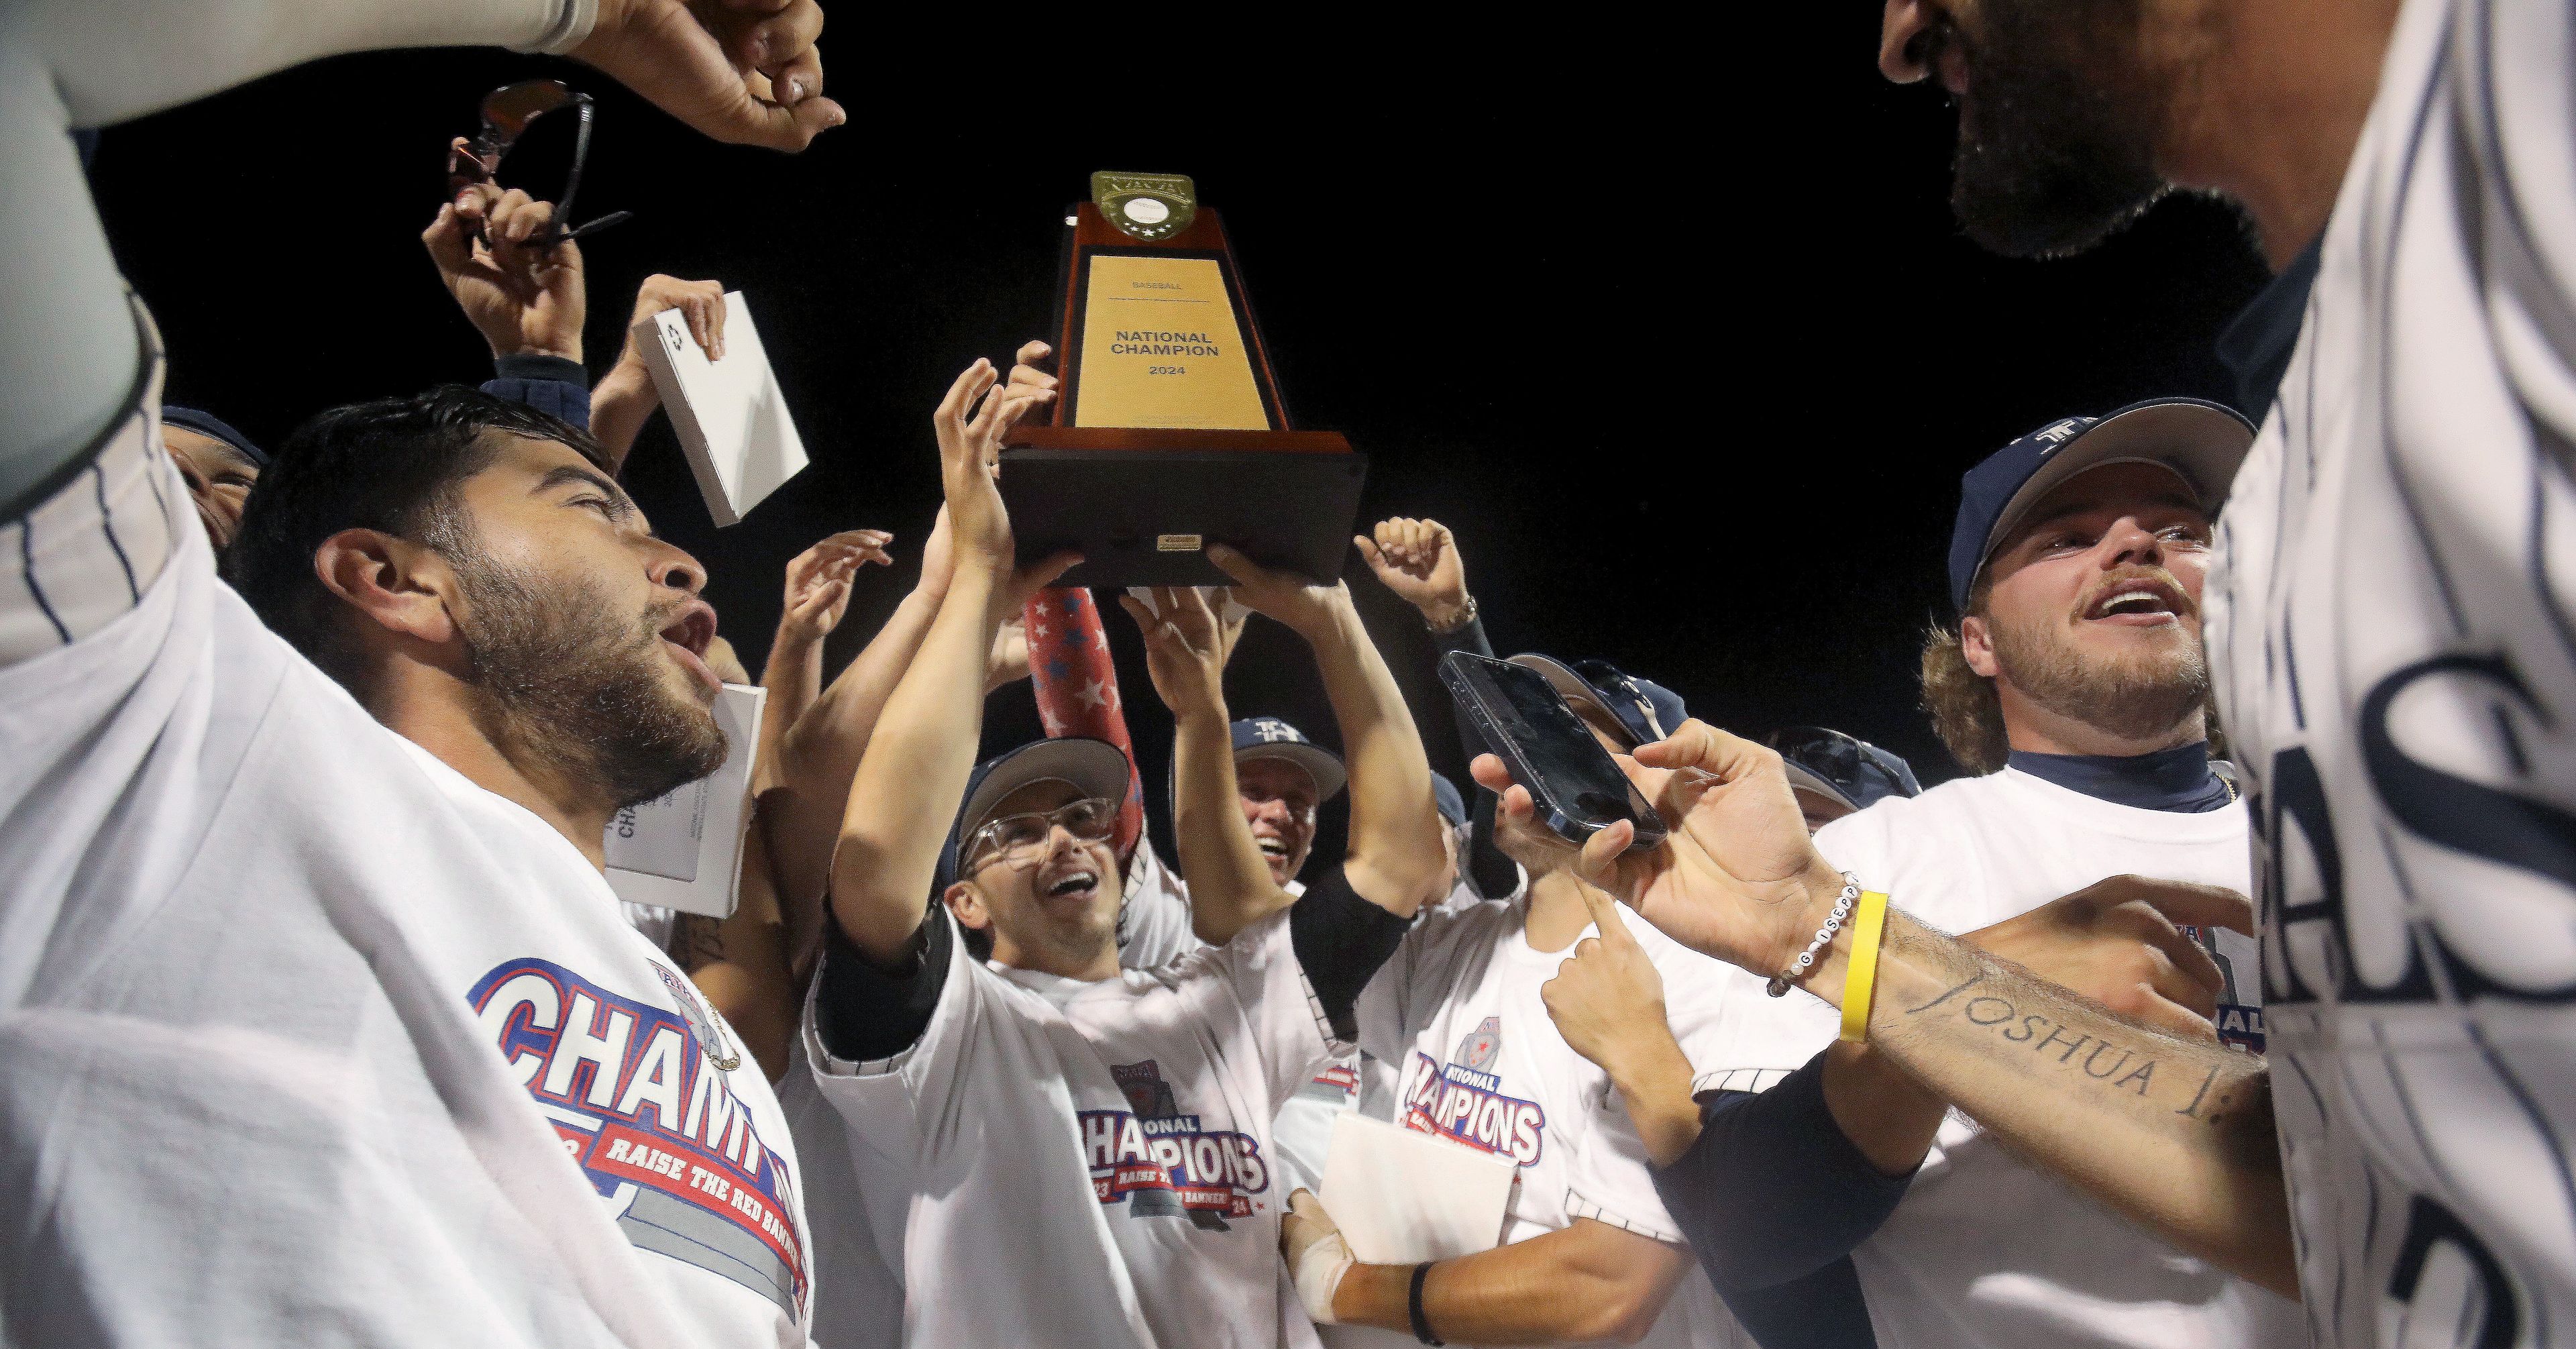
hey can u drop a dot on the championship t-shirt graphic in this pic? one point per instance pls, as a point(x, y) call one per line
point(1464, 1100)
point(1154, 1158)
point(640, 1097)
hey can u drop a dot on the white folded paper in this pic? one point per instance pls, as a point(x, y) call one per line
point(1402, 1197)
point(731, 419)
point(684, 851)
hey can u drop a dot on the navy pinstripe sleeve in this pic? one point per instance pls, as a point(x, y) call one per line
point(1772, 1190)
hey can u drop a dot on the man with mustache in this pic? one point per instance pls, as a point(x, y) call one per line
point(319, 1018)
point(2388, 645)
point(2073, 684)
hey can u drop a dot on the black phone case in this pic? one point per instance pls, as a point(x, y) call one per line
point(1464, 688)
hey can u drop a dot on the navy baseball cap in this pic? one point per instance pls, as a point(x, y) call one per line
point(1095, 768)
point(1845, 767)
point(1444, 796)
point(2199, 442)
point(208, 424)
point(1646, 709)
point(1271, 738)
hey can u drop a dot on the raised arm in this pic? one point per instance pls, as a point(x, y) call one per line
point(1419, 560)
point(1395, 857)
point(2174, 1132)
point(625, 398)
point(916, 764)
point(70, 355)
point(1185, 650)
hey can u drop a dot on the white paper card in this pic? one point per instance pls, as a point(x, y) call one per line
point(1402, 1197)
point(730, 417)
point(684, 851)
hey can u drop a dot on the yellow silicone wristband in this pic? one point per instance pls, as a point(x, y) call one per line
point(1860, 974)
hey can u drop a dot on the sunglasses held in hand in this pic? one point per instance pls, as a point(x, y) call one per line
point(508, 112)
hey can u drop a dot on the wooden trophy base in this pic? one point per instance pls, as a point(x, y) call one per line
point(1141, 504)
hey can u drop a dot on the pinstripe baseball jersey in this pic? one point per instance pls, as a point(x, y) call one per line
point(2392, 621)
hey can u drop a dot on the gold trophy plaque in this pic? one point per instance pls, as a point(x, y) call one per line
point(1167, 431)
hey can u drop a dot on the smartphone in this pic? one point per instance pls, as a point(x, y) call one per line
point(1577, 789)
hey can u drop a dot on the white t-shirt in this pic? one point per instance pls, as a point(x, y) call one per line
point(1984, 1250)
point(1477, 1060)
point(1153, 912)
point(1089, 1163)
point(2391, 627)
point(245, 1091)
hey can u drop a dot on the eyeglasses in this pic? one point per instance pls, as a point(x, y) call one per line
point(1016, 840)
point(507, 114)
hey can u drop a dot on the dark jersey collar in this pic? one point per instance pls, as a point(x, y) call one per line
point(2178, 779)
point(2257, 344)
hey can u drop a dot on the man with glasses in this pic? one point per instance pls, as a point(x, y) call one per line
point(1051, 1149)
point(1842, 1205)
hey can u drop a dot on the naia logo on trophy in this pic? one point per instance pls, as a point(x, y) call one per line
point(1464, 1100)
point(1163, 1160)
point(638, 1095)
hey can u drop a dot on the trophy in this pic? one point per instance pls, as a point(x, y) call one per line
point(1168, 432)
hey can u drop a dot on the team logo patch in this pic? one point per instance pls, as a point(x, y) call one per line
point(718, 1047)
point(1482, 1046)
point(1465, 1102)
point(1159, 1162)
point(636, 1095)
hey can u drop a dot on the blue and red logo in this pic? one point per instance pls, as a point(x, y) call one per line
point(1162, 1159)
point(1464, 1100)
point(636, 1094)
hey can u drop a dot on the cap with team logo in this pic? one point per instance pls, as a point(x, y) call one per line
point(1647, 710)
point(1271, 738)
point(1844, 767)
point(2199, 442)
point(1095, 768)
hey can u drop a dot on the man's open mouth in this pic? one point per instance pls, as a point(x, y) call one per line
point(1274, 849)
point(690, 631)
point(2140, 602)
point(1077, 884)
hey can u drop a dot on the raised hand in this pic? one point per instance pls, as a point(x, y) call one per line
point(1419, 561)
point(1284, 595)
point(1184, 649)
point(1027, 380)
point(1009, 662)
point(745, 71)
point(1736, 878)
point(527, 299)
point(2115, 941)
point(970, 423)
point(701, 303)
point(819, 580)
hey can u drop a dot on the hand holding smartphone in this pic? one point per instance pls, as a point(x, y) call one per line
point(1576, 786)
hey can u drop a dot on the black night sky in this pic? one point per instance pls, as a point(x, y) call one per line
point(1691, 366)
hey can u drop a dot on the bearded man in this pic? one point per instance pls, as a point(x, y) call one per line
point(2073, 683)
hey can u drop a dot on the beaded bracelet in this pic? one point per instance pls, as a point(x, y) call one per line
point(1781, 982)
